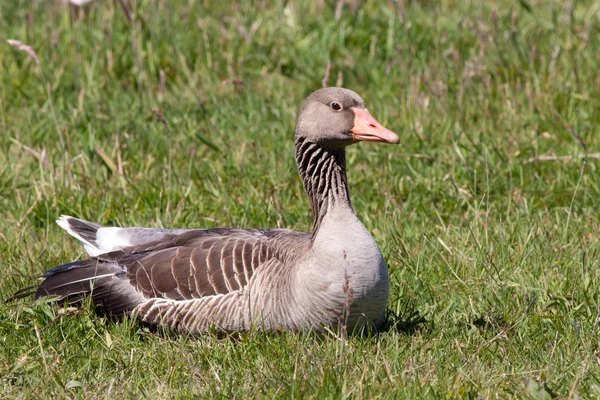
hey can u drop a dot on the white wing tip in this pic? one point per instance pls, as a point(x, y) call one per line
point(63, 222)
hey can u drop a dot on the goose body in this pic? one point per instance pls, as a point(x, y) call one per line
point(232, 279)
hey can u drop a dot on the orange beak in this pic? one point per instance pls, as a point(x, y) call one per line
point(368, 129)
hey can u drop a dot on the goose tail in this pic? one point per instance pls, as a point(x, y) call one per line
point(103, 280)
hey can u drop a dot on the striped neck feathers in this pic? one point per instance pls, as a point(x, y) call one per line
point(323, 172)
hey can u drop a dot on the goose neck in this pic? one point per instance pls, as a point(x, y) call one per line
point(323, 172)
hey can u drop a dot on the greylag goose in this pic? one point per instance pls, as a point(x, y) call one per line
point(196, 280)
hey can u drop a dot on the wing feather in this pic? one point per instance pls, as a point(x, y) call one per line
point(247, 250)
point(238, 262)
point(227, 265)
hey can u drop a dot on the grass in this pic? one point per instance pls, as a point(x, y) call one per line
point(181, 114)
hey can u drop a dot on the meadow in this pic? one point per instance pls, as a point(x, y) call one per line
point(182, 113)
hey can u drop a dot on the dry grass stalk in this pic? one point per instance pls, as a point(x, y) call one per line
point(17, 44)
point(554, 157)
point(236, 82)
point(325, 79)
point(78, 3)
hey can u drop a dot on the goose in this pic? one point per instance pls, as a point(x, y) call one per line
point(199, 280)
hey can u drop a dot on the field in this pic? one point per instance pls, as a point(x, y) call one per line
point(181, 114)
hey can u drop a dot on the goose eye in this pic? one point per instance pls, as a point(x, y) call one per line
point(335, 106)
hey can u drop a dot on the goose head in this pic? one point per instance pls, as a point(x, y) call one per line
point(338, 117)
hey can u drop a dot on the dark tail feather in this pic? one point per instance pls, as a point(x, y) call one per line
point(105, 281)
point(62, 268)
point(22, 293)
point(35, 289)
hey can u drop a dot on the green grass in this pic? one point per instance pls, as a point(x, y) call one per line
point(126, 121)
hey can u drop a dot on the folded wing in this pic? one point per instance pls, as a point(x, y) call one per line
point(181, 265)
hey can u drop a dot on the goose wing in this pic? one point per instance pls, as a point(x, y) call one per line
point(186, 265)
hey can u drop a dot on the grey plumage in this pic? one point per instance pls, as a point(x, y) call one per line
point(233, 279)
